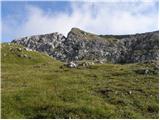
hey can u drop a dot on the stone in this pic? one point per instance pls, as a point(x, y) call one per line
point(19, 55)
point(19, 49)
point(101, 62)
point(141, 71)
point(10, 49)
point(27, 49)
point(92, 63)
point(81, 45)
point(146, 71)
point(25, 56)
point(71, 64)
point(130, 92)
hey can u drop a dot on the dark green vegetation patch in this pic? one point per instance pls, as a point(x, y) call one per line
point(35, 85)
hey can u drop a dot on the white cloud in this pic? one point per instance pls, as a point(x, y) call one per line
point(100, 18)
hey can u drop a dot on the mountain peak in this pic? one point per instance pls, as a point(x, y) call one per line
point(76, 31)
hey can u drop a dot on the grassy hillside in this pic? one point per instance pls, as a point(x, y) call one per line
point(35, 85)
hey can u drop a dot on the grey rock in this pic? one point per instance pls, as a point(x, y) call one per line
point(25, 56)
point(146, 71)
point(19, 49)
point(80, 45)
point(71, 64)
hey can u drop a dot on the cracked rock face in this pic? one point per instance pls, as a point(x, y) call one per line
point(48, 43)
point(142, 47)
point(80, 45)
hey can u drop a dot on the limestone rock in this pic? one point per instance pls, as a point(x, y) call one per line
point(80, 45)
point(71, 64)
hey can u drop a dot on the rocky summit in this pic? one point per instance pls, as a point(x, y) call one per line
point(80, 45)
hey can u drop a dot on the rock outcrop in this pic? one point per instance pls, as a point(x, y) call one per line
point(48, 43)
point(80, 45)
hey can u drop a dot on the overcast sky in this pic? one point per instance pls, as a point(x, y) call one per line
point(21, 19)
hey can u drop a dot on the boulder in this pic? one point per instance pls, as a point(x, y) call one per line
point(146, 71)
point(19, 49)
point(142, 71)
point(71, 64)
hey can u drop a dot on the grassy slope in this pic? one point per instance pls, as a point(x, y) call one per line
point(40, 88)
point(83, 35)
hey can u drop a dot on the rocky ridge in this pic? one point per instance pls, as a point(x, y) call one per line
point(80, 45)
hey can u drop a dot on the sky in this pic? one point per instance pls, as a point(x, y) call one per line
point(26, 18)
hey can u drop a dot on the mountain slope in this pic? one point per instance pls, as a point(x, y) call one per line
point(80, 45)
point(35, 85)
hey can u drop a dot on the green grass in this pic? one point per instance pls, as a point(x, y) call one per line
point(38, 87)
